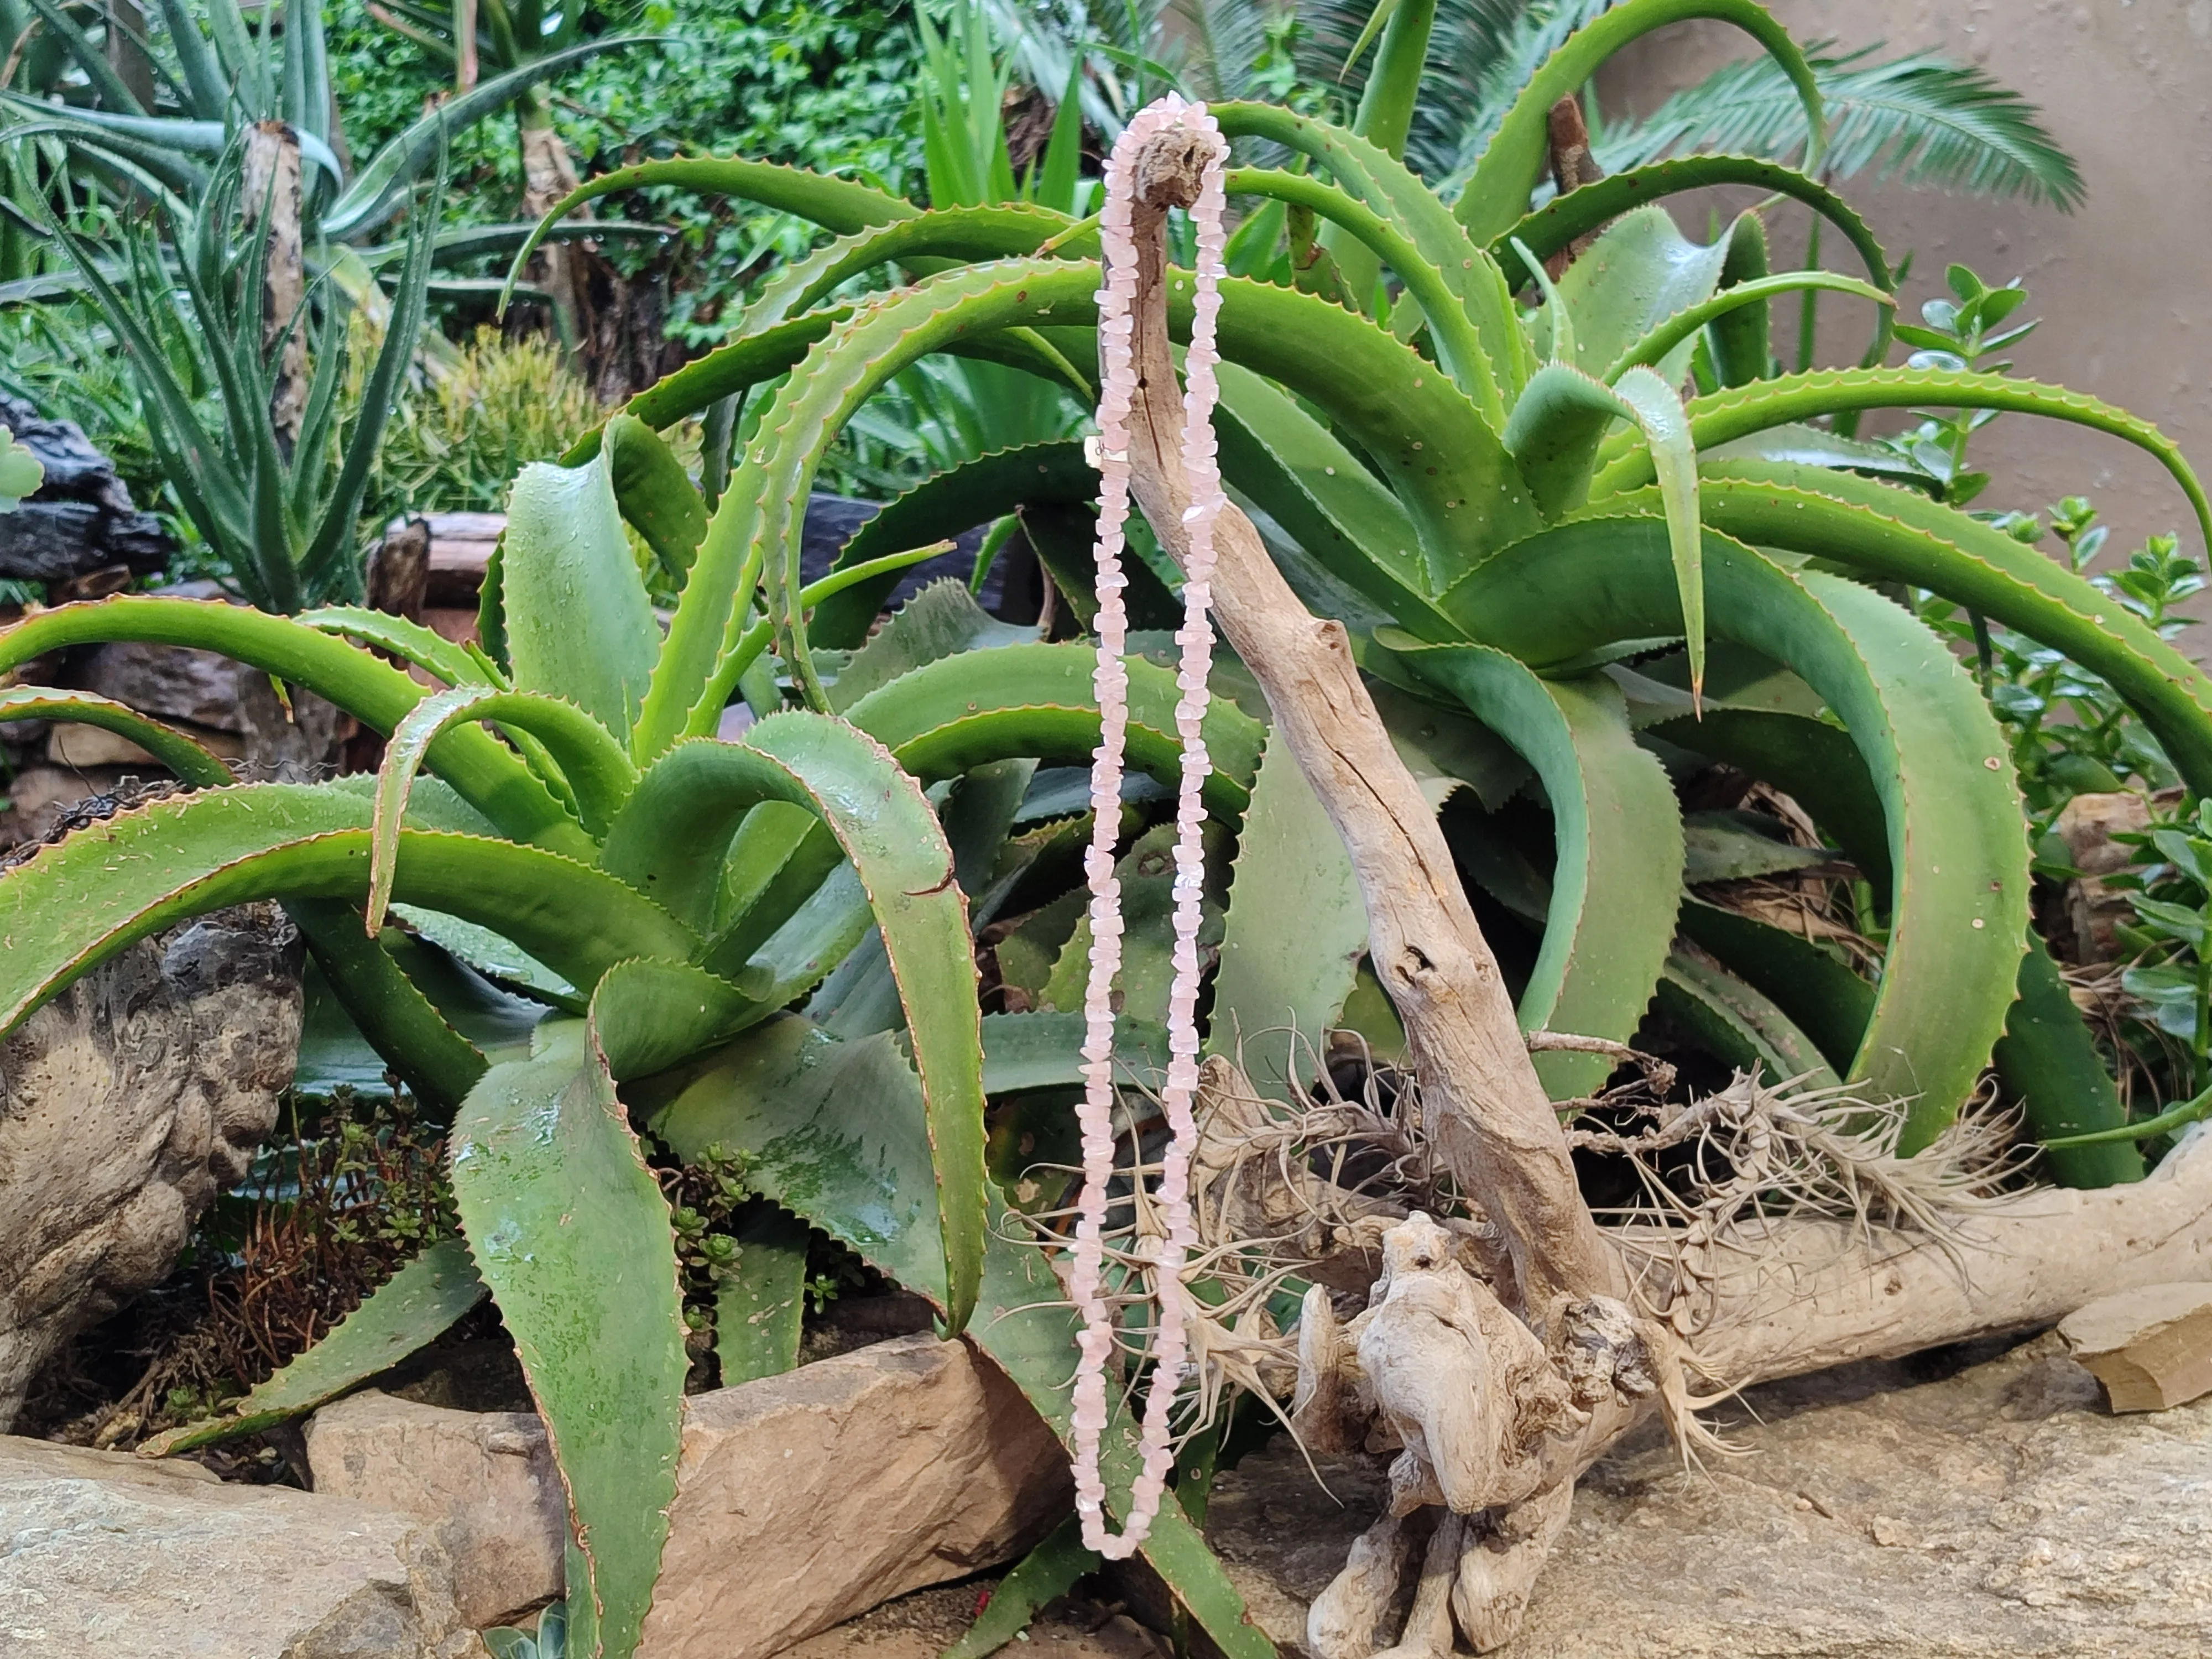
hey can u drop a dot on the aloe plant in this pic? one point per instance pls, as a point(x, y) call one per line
point(678, 897)
point(1555, 565)
point(1501, 501)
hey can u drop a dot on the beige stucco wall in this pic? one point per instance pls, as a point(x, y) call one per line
point(2124, 284)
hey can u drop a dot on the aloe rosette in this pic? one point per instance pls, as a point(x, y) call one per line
point(1556, 566)
point(1455, 470)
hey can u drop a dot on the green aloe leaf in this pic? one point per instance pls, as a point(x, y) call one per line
point(1496, 191)
point(1665, 337)
point(1898, 535)
point(488, 774)
point(1565, 219)
point(411, 642)
point(1617, 879)
point(1822, 997)
point(78, 903)
point(1286, 968)
point(652, 1012)
point(1638, 274)
point(1739, 1025)
point(1724, 417)
point(1046, 1573)
point(2048, 1059)
point(1043, 1049)
point(1371, 175)
point(1036, 702)
point(593, 764)
point(724, 372)
point(1957, 842)
point(654, 493)
point(1323, 496)
point(759, 1309)
point(976, 492)
point(836, 205)
point(942, 620)
point(408, 1031)
point(168, 746)
point(1147, 872)
point(570, 1230)
point(1554, 432)
point(409, 1310)
point(672, 840)
point(578, 623)
point(754, 535)
point(923, 244)
point(1816, 764)
point(1458, 343)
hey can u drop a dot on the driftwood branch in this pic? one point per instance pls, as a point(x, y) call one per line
point(1490, 1116)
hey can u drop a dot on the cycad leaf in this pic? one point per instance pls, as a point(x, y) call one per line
point(1923, 118)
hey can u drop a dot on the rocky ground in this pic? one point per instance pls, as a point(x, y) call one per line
point(1875, 1510)
point(1965, 1505)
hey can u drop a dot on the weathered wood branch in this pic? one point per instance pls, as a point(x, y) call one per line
point(1489, 1114)
point(1793, 1295)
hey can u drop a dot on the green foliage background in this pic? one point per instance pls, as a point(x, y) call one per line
point(825, 84)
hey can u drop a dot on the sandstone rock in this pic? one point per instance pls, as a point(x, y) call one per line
point(488, 1476)
point(38, 796)
point(802, 1500)
point(168, 682)
point(126, 1104)
point(1996, 1512)
point(105, 1556)
point(79, 747)
point(2151, 1348)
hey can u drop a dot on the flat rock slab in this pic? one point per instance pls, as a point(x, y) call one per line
point(105, 1556)
point(801, 1500)
point(2000, 1511)
point(487, 1476)
point(2151, 1348)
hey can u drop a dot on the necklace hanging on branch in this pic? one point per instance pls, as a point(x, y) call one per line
point(1169, 1250)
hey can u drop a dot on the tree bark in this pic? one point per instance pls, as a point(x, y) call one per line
point(272, 201)
point(549, 173)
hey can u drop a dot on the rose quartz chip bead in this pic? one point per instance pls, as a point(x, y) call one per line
point(1167, 1253)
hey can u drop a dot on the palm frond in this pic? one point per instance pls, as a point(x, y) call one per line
point(1923, 118)
point(1224, 41)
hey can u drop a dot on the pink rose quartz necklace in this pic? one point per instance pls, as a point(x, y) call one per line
point(1117, 355)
